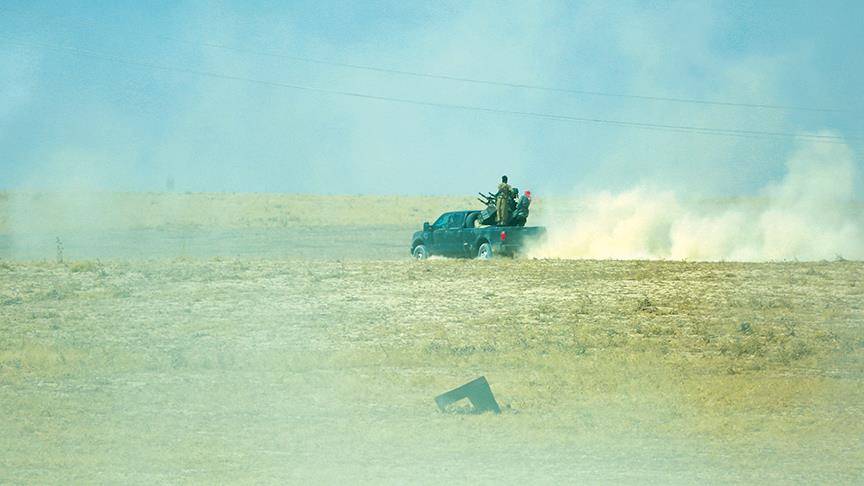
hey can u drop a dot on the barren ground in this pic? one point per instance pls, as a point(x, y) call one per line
point(217, 365)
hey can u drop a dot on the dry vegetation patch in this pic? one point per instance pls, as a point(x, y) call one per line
point(61, 211)
point(276, 362)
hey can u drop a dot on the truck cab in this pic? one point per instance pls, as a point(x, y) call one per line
point(456, 234)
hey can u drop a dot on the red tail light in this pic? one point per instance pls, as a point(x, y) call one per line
point(503, 235)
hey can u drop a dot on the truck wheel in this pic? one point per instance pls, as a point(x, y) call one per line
point(420, 252)
point(484, 252)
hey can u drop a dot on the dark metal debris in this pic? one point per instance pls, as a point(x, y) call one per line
point(476, 391)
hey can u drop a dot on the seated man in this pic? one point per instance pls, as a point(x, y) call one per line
point(514, 196)
point(520, 215)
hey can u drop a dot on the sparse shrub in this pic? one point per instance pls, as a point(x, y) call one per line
point(646, 305)
point(463, 350)
point(655, 330)
point(743, 347)
point(178, 359)
point(86, 266)
point(456, 350)
point(575, 348)
point(55, 294)
point(794, 351)
point(121, 292)
point(6, 300)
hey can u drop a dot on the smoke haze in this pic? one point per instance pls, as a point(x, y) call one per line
point(76, 126)
point(809, 214)
point(68, 118)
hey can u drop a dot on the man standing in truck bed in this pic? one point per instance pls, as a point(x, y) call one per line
point(502, 202)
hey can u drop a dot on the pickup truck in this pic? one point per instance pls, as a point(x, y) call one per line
point(456, 234)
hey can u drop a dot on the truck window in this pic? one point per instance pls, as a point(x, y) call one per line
point(441, 221)
point(456, 220)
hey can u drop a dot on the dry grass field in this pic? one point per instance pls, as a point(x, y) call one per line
point(320, 365)
point(40, 211)
point(122, 226)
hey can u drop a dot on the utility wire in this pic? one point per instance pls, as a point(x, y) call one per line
point(531, 114)
point(487, 82)
point(507, 84)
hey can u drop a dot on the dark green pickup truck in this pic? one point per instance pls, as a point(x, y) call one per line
point(457, 234)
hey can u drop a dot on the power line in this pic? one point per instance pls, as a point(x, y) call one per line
point(487, 82)
point(531, 114)
point(507, 84)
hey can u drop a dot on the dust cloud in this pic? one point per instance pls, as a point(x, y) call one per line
point(810, 214)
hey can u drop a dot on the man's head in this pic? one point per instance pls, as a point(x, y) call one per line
point(515, 192)
point(504, 179)
point(528, 194)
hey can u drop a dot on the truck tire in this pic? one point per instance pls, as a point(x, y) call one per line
point(484, 251)
point(420, 252)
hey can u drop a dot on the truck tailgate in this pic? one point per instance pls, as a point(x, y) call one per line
point(518, 236)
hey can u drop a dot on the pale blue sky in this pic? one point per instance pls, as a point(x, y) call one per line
point(68, 120)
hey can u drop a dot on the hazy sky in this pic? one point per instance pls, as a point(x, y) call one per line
point(70, 120)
